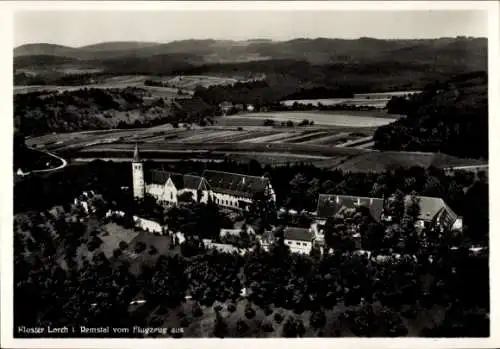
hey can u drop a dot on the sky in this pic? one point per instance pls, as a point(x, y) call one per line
point(79, 28)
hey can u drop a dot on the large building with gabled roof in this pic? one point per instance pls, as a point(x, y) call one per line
point(433, 211)
point(232, 190)
point(236, 190)
point(166, 187)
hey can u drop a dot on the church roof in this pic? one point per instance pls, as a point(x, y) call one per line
point(235, 184)
point(330, 205)
point(181, 181)
point(157, 177)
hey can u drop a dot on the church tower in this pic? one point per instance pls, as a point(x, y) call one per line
point(137, 175)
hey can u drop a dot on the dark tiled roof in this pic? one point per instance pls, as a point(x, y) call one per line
point(177, 179)
point(235, 184)
point(157, 177)
point(330, 205)
point(180, 181)
point(435, 210)
point(298, 234)
point(430, 207)
point(192, 182)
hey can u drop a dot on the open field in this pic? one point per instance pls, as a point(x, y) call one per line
point(112, 235)
point(331, 146)
point(206, 135)
point(344, 118)
point(296, 148)
point(190, 82)
point(377, 100)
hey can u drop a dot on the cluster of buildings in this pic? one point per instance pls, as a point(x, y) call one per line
point(230, 190)
point(228, 107)
point(236, 191)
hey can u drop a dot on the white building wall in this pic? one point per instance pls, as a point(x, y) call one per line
point(170, 192)
point(156, 190)
point(148, 225)
point(236, 232)
point(302, 247)
point(204, 196)
point(457, 225)
point(138, 180)
point(227, 200)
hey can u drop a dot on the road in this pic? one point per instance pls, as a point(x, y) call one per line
point(63, 164)
point(470, 167)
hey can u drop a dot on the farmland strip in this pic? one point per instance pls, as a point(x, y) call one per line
point(326, 139)
point(355, 142)
point(270, 138)
point(305, 137)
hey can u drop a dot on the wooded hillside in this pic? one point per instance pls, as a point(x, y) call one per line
point(449, 117)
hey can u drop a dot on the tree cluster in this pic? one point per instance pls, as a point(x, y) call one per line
point(449, 117)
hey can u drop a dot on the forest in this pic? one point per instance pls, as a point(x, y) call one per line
point(449, 117)
point(38, 113)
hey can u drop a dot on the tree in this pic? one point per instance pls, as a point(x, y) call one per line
point(220, 326)
point(249, 312)
point(413, 207)
point(318, 319)
point(293, 328)
point(289, 328)
point(123, 245)
point(241, 326)
point(278, 318)
point(267, 326)
point(197, 311)
point(395, 206)
point(185, 197)
point(262, 210)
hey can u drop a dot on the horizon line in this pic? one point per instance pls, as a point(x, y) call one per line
point(253, 39)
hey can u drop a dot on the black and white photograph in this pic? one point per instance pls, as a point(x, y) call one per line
point(250, 172)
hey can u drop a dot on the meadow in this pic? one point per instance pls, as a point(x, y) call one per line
point(344, 141)
point(377, 100)
point(345, 119)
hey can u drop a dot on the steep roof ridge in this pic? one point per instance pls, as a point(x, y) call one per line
point(234, 173)
point(197, 178)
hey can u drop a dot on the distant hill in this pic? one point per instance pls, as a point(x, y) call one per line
point(468, 53)
point(356, 66)
point(43, 61)
point(118, 46)
point(45, 50)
